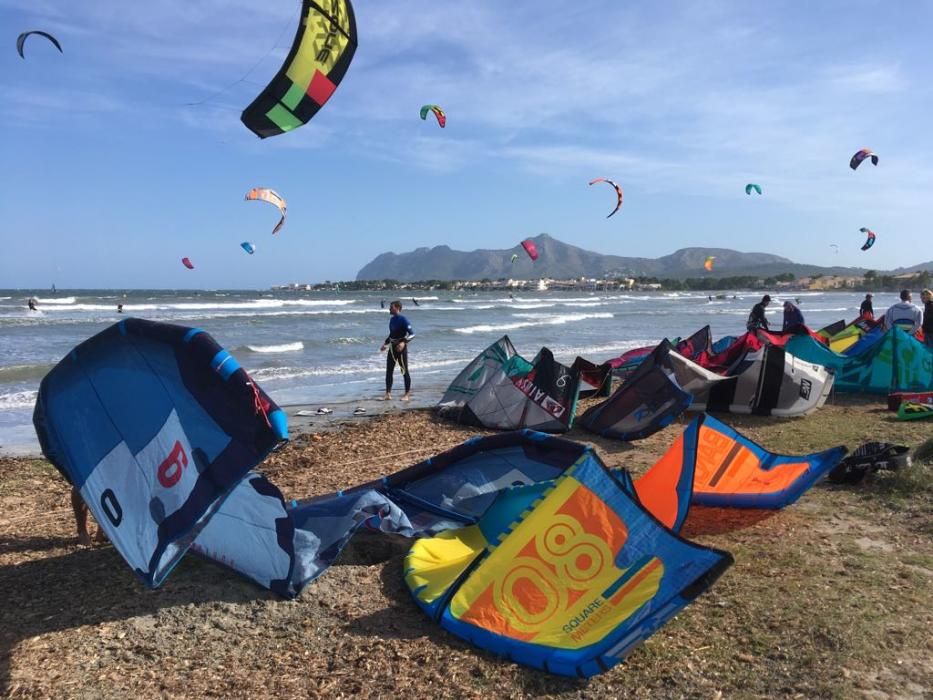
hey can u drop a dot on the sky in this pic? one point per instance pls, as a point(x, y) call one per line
point(126, 152)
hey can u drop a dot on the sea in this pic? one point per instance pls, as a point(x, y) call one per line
point(321, 349)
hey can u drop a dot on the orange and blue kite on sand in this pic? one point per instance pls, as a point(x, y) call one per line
point(711, 464)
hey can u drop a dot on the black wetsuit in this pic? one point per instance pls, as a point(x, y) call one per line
point(866, 308)
point(399, 330)
point(756, 319)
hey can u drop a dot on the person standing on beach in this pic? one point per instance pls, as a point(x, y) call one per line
point(756, 319)
point(866, 310)
point(926, 296)
point(396, 343)
point(793, 318)
point(903, 314)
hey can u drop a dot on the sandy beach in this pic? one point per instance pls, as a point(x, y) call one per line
point(830, 597)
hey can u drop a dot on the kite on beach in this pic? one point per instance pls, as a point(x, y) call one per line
point(861, 155)
point(438, 112)
point(21, 41)
point(318, 60)
point(264, 194)
point(618, 190)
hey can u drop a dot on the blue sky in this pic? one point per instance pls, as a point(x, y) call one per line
point(108, 179)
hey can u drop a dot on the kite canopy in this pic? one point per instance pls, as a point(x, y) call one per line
point(318, 60)
point(617, 189)
point(263, 194)
point(438, 112)
point(752, 186)
point(530, 248)
point(514, 257)
point(248, 247)
point(21, 41)
point(711, 464)
point(501, 389)
point(154, 424)
point(870, 241)
point(708, 263)
point(187, 263)
point(861, 155)
point(567, 577)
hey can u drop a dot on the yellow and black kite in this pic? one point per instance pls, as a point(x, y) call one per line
point(319, 58)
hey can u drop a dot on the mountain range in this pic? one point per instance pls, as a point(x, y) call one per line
point(560, 260)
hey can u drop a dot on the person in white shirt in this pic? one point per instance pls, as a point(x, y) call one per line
point(904, 314)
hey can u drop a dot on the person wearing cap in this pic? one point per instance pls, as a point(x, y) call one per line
point(793, 318)
point(756, 319)
point(926, 296)
point(866, 310)
point(904, 314)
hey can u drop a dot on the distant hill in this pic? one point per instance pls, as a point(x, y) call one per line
point(562, 260)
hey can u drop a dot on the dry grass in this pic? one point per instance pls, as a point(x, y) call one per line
point(829, 598)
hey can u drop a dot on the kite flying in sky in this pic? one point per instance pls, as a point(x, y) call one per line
point(870, 241)
point(187, 263)
point(752, 186)
point(530, 248)
point(272, 197)
point(708, 263)
point(861, 155)
point(315, 65)
point(617, 189)
point(248, 247)
point(438, 112)
point(21, 40)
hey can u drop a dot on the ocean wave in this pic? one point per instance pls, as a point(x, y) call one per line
point(531, 306)
point(284, 347)
point(18, 399)
point(59, 300)
point(370, 367)
point(543, 320)
point(18, 373)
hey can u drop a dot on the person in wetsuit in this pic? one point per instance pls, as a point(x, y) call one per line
point(926, 296)
point(756, 319)
point(32, 304)
point(396, 343)
point(866, 310)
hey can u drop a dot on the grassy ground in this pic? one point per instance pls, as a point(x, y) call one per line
point(829, 598)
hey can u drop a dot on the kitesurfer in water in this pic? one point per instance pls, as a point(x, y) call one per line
point(415, 302)
point(400, 333)
point(756, 319)
point(119, 308)
point(32, 304)
point(382, 303)
point(866, 310)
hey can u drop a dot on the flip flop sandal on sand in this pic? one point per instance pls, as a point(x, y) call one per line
point(323, 411)
point(359, 411)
